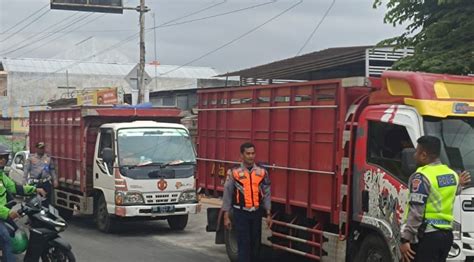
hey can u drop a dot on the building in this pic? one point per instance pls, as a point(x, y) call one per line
point(29, 84)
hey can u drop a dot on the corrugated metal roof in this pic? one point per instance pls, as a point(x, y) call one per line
point(33, 65)
point(293, 67)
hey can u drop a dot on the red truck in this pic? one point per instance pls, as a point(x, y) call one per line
point(339, 153)
point(120, 163)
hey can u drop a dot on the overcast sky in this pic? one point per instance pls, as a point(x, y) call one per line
point(350, 22)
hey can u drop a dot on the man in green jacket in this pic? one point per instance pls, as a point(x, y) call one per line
point(7, 186)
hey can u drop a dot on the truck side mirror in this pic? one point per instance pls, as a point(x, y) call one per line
point(108, 155)
point(408, 161)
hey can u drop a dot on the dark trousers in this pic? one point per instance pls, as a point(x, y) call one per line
point(434, 246)
point(6, 244)
point(48, 187)
point(249, 230)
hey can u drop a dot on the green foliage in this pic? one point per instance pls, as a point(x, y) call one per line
point(15, 144)
point(440, 31)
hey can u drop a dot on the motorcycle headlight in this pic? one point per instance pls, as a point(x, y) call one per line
point(188, 196)
point(128, 198)
point(457, 233)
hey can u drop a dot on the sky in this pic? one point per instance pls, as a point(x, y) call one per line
point(197, 32)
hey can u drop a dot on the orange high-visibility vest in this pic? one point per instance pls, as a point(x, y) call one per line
point(247, 186)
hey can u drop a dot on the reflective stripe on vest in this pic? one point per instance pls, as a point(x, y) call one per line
point(443, 186)
point(247, 186)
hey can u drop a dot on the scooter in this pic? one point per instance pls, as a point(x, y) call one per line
point(44, 225)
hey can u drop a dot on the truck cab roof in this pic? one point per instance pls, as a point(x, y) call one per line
point(140, 124)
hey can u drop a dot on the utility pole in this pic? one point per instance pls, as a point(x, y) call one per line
point(142, 94)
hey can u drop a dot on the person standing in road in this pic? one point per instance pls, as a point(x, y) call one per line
point(427, 235)
point(40, 171)
point(246, 190)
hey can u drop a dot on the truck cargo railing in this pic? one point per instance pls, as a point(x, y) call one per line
point(270, 166)
point(265, 108)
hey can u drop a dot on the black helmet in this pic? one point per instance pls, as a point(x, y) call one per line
point(4, 152)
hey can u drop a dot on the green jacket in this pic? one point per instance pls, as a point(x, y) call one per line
point(8, 186)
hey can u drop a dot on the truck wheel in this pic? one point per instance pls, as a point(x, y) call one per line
point(231, 247)
point(373, 249)
point(103, 219)
point(66, 214)
point(178, 222)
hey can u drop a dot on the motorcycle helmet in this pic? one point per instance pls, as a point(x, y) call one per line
point(4, 154)
point(19, 242)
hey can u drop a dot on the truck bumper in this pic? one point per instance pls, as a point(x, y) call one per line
point(146, 211)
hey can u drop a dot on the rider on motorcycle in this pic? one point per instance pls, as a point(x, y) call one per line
point(7, 186)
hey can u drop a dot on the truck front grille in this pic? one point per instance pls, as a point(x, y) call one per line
point(161, 198)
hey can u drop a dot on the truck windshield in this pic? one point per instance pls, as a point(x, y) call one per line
point(457, 141)
point(145, 146)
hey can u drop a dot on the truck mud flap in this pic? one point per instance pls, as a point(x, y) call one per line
point(215, 220)
point(212, 219)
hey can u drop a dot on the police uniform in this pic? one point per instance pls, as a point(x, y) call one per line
point(40, 171)
point(429, 215)
point(245, 192)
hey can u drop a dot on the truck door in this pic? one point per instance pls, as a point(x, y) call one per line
point(103, 173)
point(379, 185)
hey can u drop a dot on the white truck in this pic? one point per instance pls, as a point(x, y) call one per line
point(120, 164)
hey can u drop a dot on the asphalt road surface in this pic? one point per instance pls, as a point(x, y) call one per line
point(149, 241)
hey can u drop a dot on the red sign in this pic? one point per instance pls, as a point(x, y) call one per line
point(162, 184)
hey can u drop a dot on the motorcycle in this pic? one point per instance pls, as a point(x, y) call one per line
point(44, 241)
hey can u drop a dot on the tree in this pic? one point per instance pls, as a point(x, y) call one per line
point(440, 31)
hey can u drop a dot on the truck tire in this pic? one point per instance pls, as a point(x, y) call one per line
point(373, 249)
point(178, 222)
point(103, 219)
point(231, 247)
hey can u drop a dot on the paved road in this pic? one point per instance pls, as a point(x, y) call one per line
point(148, 241)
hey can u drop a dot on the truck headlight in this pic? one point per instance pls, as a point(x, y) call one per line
point(128, 198)
point(457, 233)
point(188, 196)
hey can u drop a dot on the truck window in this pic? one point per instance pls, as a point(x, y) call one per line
point(385, 143)
point(105, 140)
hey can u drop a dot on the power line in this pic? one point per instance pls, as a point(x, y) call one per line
point(128, 39)
point(47, 36)
point(237, 38)
point(191, 14)
point(217, 15)
point(58, 37)
point(32, 38)
point(317, 26)
point(21, 29)
point(24, 19)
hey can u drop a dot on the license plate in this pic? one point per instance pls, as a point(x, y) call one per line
point(163, 209)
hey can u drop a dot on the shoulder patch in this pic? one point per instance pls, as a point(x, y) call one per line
point(415, 184)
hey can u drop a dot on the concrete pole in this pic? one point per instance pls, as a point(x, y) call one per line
point(141, 83)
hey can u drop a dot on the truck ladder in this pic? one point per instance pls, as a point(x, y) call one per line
point(348, 134)
point(291, 239)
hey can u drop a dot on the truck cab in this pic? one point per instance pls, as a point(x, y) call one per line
point(145, 169)
point(408, 106)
